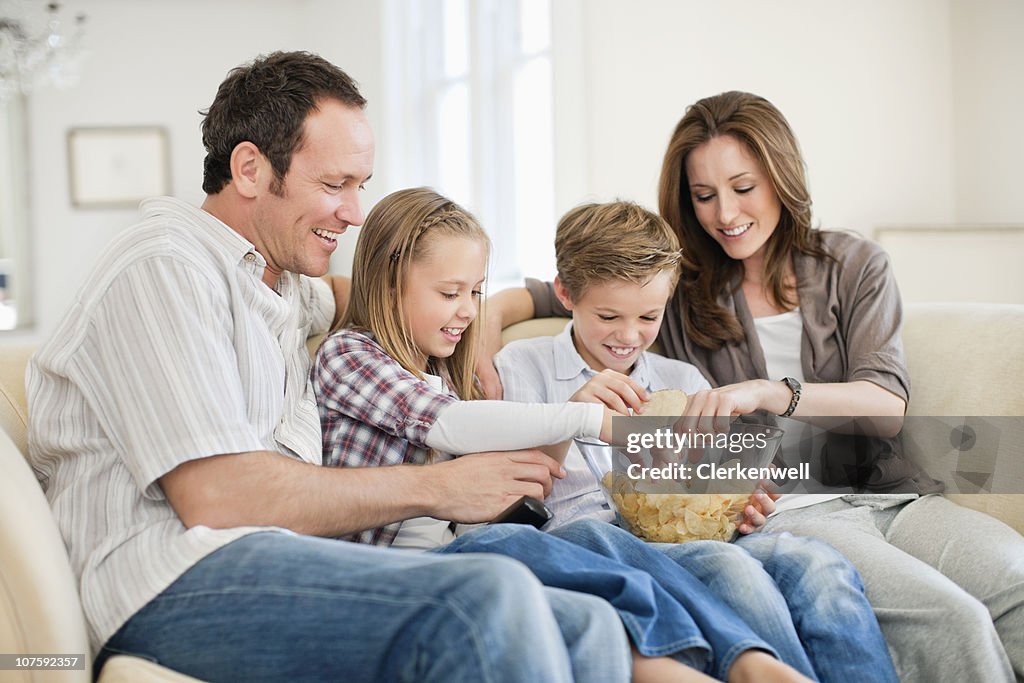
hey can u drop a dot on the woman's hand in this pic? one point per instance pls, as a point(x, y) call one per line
point(881, 411)
point(755, 515)
point(502, 309)
point(488, 377)
point(712, 410)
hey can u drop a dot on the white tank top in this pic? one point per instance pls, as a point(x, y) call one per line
point(781, 339)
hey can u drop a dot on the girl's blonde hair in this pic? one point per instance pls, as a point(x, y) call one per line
point(401, 229)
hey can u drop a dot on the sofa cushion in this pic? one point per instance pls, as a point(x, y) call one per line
point(13, 410)
point(965, 359)
point(39, 608)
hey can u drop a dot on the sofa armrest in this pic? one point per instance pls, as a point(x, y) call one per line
point(39, 607)
point(124, 669)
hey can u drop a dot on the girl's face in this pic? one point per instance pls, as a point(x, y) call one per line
point(442, 294)
point(733, 197)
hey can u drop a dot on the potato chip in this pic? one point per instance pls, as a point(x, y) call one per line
point(674, 517)
point(670, 402)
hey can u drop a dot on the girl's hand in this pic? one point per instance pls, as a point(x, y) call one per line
point(614, 390)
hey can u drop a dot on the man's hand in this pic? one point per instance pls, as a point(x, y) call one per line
point(614, 390)
point(269, 489)
point(476, 487)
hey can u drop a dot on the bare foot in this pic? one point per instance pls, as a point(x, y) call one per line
point(665, 670)
point(756, 666)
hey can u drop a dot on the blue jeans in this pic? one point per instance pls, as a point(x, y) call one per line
point(281, 607)
point(800, 595)
point(826, 599)
point(674, 615)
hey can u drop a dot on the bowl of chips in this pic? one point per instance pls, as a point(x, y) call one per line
point(682, 492)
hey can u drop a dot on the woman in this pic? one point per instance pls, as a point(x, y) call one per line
point(764, 295)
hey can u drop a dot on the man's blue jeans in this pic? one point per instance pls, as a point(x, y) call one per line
point(800, 595)
point(276, 606)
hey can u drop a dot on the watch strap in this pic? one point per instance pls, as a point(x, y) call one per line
point(795, 387)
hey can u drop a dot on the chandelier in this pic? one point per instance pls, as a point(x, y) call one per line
point(37, 49)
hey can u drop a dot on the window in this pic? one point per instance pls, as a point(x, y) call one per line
point(470, 113)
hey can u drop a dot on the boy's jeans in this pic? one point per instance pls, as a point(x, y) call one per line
point(798, 594)
point(276, 606)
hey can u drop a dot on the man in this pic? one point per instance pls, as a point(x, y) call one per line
point(175, 432)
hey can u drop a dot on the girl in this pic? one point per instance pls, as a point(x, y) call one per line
point(388, 386)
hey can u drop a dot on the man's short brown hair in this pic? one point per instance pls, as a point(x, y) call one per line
point(266, 102)
point(618, 240)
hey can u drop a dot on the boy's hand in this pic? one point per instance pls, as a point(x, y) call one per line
point(614, 390)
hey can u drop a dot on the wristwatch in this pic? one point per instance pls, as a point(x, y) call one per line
point(795, 387)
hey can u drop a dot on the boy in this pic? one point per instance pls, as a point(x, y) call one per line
point(618, 264)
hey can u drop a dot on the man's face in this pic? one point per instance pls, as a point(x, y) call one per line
point(297, 228)
point(614, 321)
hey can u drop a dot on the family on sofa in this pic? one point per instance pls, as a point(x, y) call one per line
point(201, 481)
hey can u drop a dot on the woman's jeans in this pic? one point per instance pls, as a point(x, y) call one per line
point(798, 594)
point(276, 606)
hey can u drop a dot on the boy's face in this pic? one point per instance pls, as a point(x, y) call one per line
point(615, 321)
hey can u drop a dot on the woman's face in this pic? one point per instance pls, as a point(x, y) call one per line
point(733, 197)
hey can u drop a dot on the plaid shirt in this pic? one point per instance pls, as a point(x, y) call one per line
point(373, 412)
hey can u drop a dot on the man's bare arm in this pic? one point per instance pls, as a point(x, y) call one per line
point(269, 489)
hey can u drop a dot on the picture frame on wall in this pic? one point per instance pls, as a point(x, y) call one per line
point(112, 167)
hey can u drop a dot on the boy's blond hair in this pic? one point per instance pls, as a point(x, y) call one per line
point(618, 240)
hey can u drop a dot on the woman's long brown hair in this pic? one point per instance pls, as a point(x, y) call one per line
point(707, 271)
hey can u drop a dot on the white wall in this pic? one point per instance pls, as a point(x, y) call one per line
point(867, 87)
point(906, 109)
point(158, 63)
point(988, 76)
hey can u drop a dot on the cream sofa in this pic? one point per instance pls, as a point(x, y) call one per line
point(964, 360)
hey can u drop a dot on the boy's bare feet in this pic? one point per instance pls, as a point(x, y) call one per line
point(756, 666)
point(665, 670)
